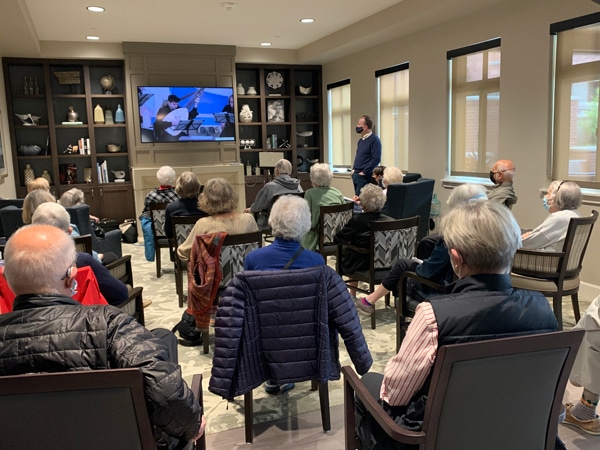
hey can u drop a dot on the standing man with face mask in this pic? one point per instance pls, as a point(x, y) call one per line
point(501, 175)
point(368, 154)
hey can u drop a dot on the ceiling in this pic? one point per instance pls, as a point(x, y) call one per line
point(340, 27)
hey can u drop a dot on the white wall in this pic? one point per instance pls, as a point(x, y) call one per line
point(523, 26)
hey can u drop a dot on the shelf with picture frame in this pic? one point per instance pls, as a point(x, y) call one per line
point(292, 94)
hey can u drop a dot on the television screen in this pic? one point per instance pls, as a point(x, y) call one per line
point(186, 114)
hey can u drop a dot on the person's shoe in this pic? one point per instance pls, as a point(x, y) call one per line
point(274, 389)
point(363, 306)
point(589, 426)
point(146, 302)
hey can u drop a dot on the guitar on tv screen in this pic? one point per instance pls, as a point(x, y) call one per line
point(186, 114)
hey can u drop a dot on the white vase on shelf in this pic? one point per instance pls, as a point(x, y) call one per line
point(251, 91)
point(240, 89)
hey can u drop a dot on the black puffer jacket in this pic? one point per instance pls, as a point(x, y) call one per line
point(283, 325)
point(57, 334)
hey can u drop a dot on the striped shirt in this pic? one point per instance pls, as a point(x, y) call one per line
point(406, 372)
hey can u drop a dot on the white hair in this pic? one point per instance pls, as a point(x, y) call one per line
point(466, 193)
point(484, 233)
point(53, 214)
point(166, 176)
point(290, 218)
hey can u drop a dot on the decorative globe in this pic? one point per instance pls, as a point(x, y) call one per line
point(107, 82)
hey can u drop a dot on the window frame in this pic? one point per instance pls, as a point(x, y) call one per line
point(394, 153)
point(339, 153)
point(483, 89)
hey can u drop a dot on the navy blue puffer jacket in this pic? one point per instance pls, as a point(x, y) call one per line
point(283, 325)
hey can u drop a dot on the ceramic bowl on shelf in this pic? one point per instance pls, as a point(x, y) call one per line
point(113, 148)
point(305, 90)
point(29, 150)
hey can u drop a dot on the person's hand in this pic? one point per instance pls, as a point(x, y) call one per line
point(94, 218)
point(247, 210)
point(174, 122)
point(356, 199)
point(525, 235)
point(362, 174)
point(201, 432)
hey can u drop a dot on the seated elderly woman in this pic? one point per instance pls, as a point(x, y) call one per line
point(356, 231)
point(321, 194)
point(289, 221)
point(34, 199)
point(436, 268)
point(562, 200)
point(482, 238)
point(74, 197)
point(38, 183)
point(391, 175)
point(165, 193)
point(220, 201)
point(187, 187)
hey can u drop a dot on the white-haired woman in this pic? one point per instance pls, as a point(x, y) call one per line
point(436, 268)
point(289, 221)
point(220, 201)
point(165, 193)
point(321, 194)
point(356, 231)
point(562, 201)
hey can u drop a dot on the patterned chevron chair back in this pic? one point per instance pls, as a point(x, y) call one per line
point(233, 252)
point(392, 243)
point(158, 219)
point(334, 222)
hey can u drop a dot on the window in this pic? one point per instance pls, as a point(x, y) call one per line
point(474, 108)
point(392, 87)
point(576, 84)
point(340, 124)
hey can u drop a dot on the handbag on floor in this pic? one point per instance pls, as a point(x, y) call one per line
point(129, 231)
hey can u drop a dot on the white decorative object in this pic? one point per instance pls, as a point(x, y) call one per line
point(274, 80)
point(240, 89)
point(251, 91)
point(246, 114)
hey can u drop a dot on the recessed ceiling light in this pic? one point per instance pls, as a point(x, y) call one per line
point(93, 38)
point(307, 20)
point(95, 8)
point(265, 44)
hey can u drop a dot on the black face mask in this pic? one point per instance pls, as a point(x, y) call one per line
point(359, 129)
point(492, 177)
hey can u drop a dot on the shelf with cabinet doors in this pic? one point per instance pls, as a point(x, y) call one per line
point(49, 89)
point(286, 101)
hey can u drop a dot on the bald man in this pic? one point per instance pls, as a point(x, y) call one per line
point(501, 175)
point(39, 266)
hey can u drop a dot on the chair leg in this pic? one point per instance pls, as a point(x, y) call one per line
point(205, 339)
point(575, 301)
point(314, 385)
point(557, 306)
point(248, 417)
point(351, 441)
point(387, 299)
point(324, 400)
point(157, 258)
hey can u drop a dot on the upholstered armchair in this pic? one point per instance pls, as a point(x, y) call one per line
point(80, 216)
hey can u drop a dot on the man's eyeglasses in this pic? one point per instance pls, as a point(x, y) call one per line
point(502, 171)
point(68, 272)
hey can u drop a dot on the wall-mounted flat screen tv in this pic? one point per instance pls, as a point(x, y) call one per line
point(186, 114)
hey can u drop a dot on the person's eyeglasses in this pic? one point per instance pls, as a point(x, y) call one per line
point(68, 272)
point(502, 171)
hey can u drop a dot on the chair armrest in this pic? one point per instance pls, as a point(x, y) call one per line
point(134, 305)
point(197, 391)
point(121, 269)
point(402, 287)
point(536, 263)
point(353, 385)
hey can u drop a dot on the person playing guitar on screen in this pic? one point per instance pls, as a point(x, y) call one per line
point(170, 114)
